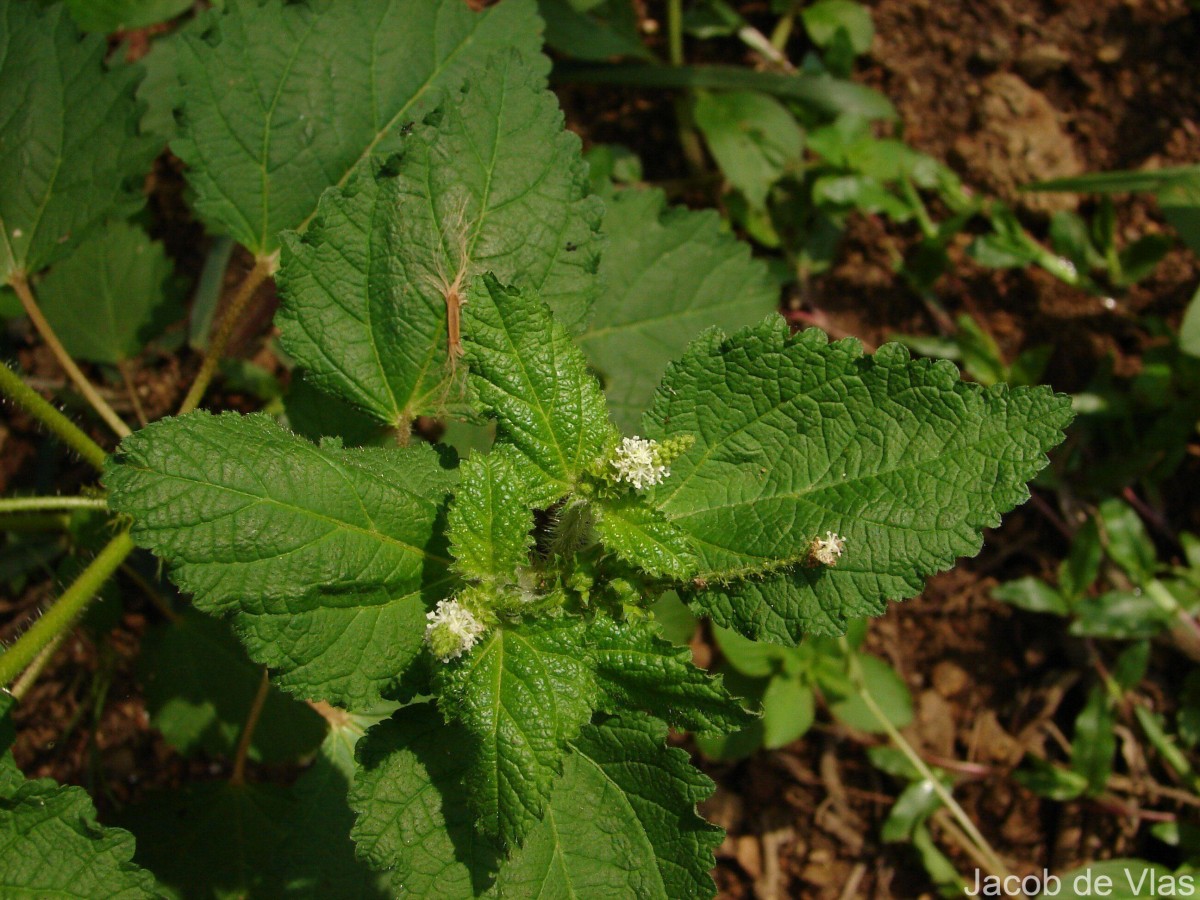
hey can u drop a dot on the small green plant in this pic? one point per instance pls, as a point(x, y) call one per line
point(488, 695)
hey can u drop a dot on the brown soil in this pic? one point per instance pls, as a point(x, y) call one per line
point(1004, 91)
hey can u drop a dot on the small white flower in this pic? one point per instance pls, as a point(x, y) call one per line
point(828, 550)
point(452, 630)
point(636, 463)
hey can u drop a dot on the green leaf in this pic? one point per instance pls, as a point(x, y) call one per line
point(674, 620)
point(668, 274)
point(266, 129)
point(756, 659)
point(214, 840)
point(1034, 595)
point(796, 437)
point(522, 693)
point(1095, 741)
point(825, 18)
point(753, 137)
point(122, 15)
point(491, 519)
point(327, 558)
point(1127, 541)
point(71, 156)
point(1048, 780)
point(1118, 879)
point(885, 687)
point(637, 670)
point(789, 709)
point(52, 846)
point(317, 857)
point(1189, 327)
point(368, 290)
point(602, 31)
point(621, 823)
point(413, 816)
point(642, 537)
point(314, 414)
point(199, 689)
point(112, 295)
point(821, 93)
point(526, 371)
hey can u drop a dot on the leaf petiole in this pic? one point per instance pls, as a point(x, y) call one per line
point(48, 504)
point(66, 430)
point(264, 268)
point(66, 610)
point(20, 284)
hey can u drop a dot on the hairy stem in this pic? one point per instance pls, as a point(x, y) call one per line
point(263, 269)
point(22, 685)
point(994, 864)
point(47, 504)
point(58, 424)
point(238, 776)
point(66, 609)
point(20, 284)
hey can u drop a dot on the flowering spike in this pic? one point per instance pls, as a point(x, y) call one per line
point(452, 630)
point(637, 462)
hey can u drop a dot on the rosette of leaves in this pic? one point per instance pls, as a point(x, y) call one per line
point(530, 759)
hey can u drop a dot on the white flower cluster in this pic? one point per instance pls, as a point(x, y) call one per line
point(637, 463)
point(452, 630)
point(827, 551)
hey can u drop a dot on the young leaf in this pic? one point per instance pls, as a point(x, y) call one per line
point(265, 129)
point(372, 292)
point(522, 694)
point(753, 137)
point(637, 670)
point(640, 535)
point(796, 437)
point(526, 372)
point(71, 156)
point(413, 816)
point(211, 840)
point(668, 274)
point(112, 295)
point(51, 844)
point(200, 687)
point(327, 558)
point(621, 823)
point(491, 519)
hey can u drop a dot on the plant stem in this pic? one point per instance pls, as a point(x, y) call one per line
point(20, 284)
point(66, 609)
point(995, 866)
point(30, 675)
point(66, 430)
point(689, 140)
point(127, 376)
point(46, 504)
point(675, 32)
point(156, 599)
point(238, 776)
point(264, 267)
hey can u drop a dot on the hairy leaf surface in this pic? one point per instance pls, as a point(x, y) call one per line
point(521, 694)
point(413, 816)
point(327, 558)
point(668, 274)
point(112, 295)
point(491, 520)
point(622, 822)
point(490, 183)
point(71, 156)
point(527, 372)
point(52, 846)
point(283, 100)
point(640, 535)
point(796, 437)
point(638, 670)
